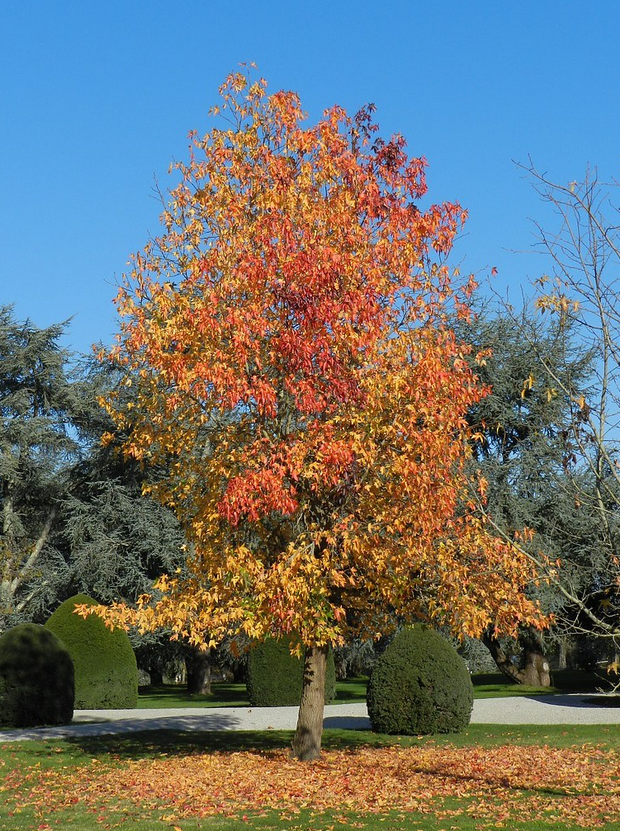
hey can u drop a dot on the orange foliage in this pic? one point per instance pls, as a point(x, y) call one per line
point(287, 339)
point(497, 786)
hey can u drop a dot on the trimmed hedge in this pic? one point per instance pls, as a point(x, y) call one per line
point(36, 678)
point(275, 677)
point(419, 686)
point(106, 673)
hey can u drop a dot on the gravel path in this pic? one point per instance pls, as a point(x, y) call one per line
point(548, 709)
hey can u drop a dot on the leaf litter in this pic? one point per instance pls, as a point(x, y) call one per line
point(497, 786)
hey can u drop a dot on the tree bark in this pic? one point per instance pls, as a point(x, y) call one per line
point(562, 662)
point(535, 669)
point(199, 672)
point(11, 583)
point(307, 739)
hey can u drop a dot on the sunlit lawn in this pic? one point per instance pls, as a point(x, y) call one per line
point(530, 778)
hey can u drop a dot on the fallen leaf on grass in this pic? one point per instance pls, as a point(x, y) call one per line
point(579, 784)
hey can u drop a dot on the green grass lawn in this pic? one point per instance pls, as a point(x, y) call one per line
point(495, 685)
point(35, 775)
point(489, 685)
point(233, 695)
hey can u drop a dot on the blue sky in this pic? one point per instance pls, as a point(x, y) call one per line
point(97, 98)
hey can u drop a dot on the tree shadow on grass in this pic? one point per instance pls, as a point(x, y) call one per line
point(165, 695)
point(347, 722)
point(146, 744)
point(582, 701)
point(154, 743)
point(102, 725)
point(603, 700)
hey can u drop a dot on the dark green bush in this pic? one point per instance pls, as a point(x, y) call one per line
point(275, 677)
point(36, 678)
point(419, 686)
point(106, 674)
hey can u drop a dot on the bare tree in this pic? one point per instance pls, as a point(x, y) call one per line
point(582, 291)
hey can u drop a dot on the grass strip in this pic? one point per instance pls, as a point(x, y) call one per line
point(352, 690)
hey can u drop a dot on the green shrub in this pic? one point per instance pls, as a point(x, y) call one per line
point(106, 674)
point(419, 686)
point(36, 678)
point(275, 677)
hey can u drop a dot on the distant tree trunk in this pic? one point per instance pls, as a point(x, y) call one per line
point(562, 662)
point(157, 678)
point(239, 671)
point(307, 739)
point(341, 665)
point(199, 671)
point(535, 667)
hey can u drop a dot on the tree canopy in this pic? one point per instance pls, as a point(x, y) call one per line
point(72, 515)
point(581, 293)
point(41, 414)
point(116, 541)
point(287, 334)
point(525, 453)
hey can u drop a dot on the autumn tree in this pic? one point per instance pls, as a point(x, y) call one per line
point(288, 334)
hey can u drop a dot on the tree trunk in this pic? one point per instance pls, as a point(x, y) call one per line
point(307, 739)
point(562, 662)
point(199, 672)
point(535, 669)
point(535, 664)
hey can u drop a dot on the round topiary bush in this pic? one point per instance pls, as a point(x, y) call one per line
point(275, 677)
point(36, 678)
point(106, 673)
point(419, 686)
